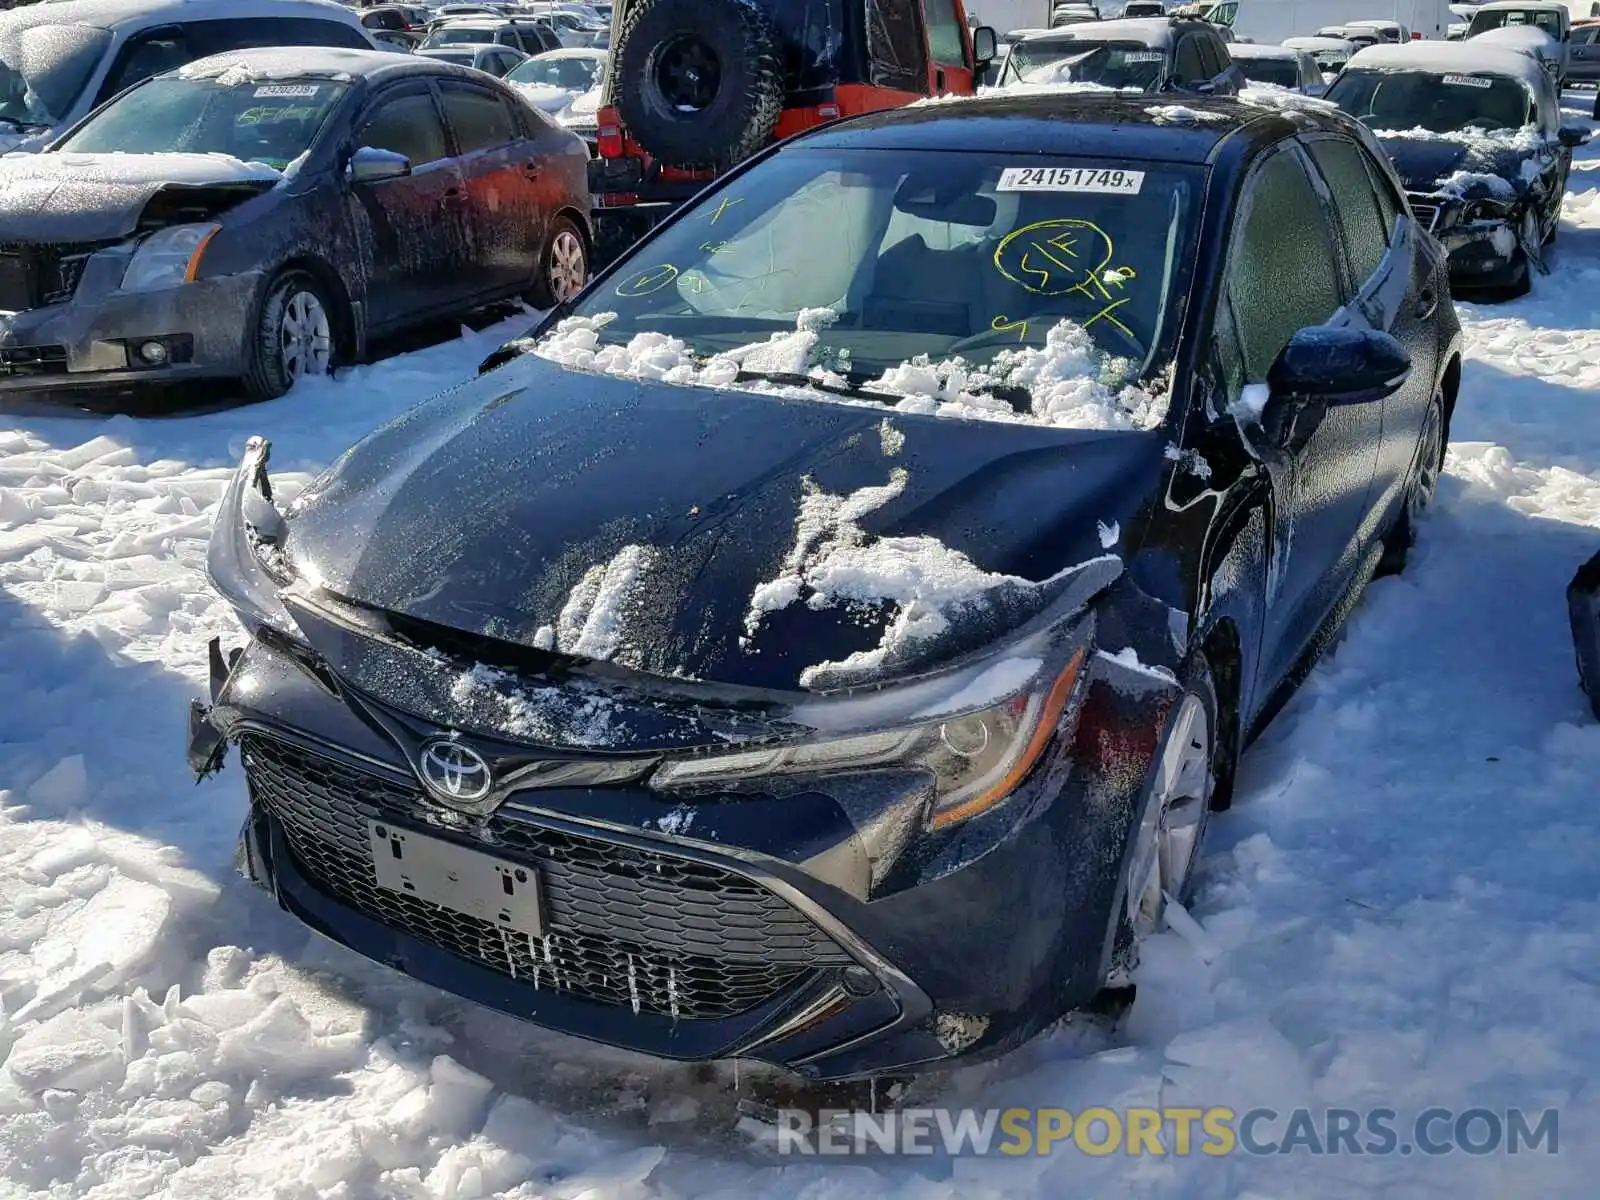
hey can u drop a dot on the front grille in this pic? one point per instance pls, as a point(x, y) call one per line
point(33, 276)
point(33, 360)
point(1427, 213)
point(629, 927)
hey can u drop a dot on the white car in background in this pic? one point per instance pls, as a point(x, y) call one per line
point(565, 85)
point(60, 61)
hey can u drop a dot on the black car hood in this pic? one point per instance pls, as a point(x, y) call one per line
point(528, 501)
point(75, 198)
point(1425, 163)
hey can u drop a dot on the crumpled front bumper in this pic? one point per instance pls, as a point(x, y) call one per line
point(959, 950)
point(90, 342)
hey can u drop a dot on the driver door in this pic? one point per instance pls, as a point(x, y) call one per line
point(413, 230)
point(1283, 274)
point(950, 68)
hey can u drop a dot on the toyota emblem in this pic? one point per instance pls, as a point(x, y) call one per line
point(453, 772)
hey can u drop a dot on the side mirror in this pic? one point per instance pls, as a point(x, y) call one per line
point(985, 46)
point(1572, 137)
point(371, 165)
point(1322, 367)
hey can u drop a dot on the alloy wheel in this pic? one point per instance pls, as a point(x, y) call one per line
point(1169, 835)
point(568, 269)
point(1430, 462)
point(306, 337)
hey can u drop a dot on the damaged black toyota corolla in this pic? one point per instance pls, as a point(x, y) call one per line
point(824, 641)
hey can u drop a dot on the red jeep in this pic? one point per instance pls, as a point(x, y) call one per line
point(697, 86)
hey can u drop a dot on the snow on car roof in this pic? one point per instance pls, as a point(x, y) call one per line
point(1524, 39)
point(569, 52)
point(278, 62)
point(1149, 31)
point(107, 14)
point(1468, 57)
point(1246, 50)
point(1316, 43)
point(1521, 6)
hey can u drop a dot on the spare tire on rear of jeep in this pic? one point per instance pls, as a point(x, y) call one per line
point(699, 82)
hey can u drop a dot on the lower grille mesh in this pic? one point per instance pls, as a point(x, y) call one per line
point(637, 928)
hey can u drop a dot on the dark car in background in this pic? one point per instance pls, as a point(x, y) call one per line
point(823, 642)
point(1476, 135)
point(1165, 54)
point(1279, 66)
point(264, 215)
point(498, 61)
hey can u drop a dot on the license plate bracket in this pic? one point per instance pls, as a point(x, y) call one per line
point(466, 881)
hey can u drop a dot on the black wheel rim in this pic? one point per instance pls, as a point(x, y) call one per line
point(687, 74)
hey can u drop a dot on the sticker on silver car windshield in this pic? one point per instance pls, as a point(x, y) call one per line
point(286, 90)
point(1468, 81)
point(1071, 179)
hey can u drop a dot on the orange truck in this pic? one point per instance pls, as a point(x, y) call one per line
point(697, 86)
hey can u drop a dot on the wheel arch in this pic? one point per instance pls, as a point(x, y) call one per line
point(1223, 652)
point(348, 336)
point(1450, 386)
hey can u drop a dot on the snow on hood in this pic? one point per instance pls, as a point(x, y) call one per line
point(834, 563)
point(546, 97)
point(1071, 383)
point(95, 197)
point(1472, 163)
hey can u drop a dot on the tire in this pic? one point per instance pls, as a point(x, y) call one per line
point(563, 265)
point(1583, 607)
point(1421, 487)
point(699, 82)
point(1177, 806)
point(295, 336)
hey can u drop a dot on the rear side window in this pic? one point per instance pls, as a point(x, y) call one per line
point(1365, 231)
point(944, 33)
point(406, 125)
point(480, 120)
point(1187, 66)
point(895, 46)
point(1282, 273)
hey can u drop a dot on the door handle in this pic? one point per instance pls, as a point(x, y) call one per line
point(1427, 301)
point(938, 81)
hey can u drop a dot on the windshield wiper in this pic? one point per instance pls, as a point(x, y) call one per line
point(1019, 398)
point(21, 126)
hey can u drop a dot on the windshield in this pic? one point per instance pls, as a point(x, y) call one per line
point(457, 36)
point(907, 253)
point(272, 123)
point(573, 74)
point(1330, 62)
point(1080, 60)
point(1437, 103)
point(1284, 72)
point(42, 70)
point(1546, 20)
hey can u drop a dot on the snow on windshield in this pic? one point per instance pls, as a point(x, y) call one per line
point(1068, 383)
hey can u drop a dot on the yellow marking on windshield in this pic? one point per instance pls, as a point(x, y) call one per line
point(726, 204)
point(1003, 324)
point(652, 279)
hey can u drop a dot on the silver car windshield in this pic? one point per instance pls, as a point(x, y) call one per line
point(44, 68)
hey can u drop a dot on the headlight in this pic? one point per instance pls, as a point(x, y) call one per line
point(167, 257)
point(243, 560)
point(973, 759)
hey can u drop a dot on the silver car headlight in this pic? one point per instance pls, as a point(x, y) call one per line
point(168, 257)
point(974, 759)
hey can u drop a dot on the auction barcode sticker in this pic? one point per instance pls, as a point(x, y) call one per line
point(1468, 81)
point(1071, 179)
point(1143, 56)
point(286, 89)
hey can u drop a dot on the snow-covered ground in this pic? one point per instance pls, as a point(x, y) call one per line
point(1403, 907)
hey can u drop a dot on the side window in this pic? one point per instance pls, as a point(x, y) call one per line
point(408, 125)
point(1187, 67)
point(898, 56)
point(1365, 232)
point(944, 33)
point(1282, 275)
point(147, 54)
point(480, 119)
point(246, 33)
